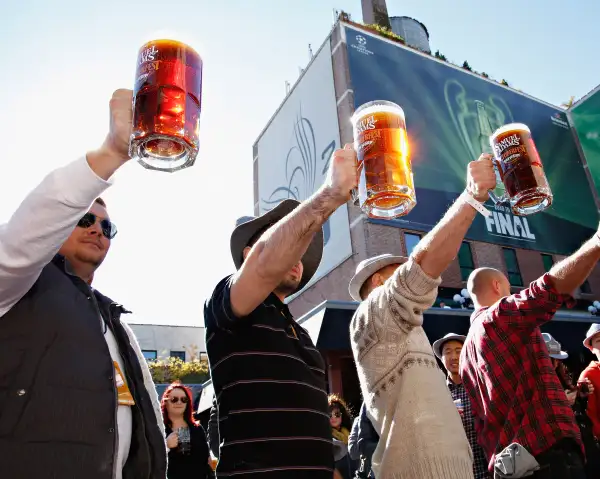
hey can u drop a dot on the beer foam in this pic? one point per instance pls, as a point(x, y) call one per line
point(510, 127)
point(378, 106)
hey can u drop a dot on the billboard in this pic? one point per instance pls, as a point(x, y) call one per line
point(443, 105)
point(585, 117)
point(293, 153)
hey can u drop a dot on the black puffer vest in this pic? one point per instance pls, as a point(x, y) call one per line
point(57, 396)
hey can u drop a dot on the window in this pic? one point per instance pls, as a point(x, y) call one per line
point(586, 288)
point(411, 241)
point(548, 261)
point(512, 267)
point(149, 355)
point(465, 260)
point(178, 354)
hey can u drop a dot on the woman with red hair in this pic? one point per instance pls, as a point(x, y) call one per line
point(186, 439)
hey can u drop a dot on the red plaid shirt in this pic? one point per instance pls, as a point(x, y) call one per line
point(507, 372)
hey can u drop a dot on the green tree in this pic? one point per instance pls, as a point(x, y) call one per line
point(173, 369)
point(568, 104)
point(385, 32)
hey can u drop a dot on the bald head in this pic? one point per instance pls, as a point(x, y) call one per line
point(487, 285)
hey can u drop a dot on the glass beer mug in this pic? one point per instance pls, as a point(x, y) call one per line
point(521, 172)
point(385, 186)
point(166, 106)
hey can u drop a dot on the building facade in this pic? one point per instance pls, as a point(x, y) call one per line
point(161, 341)
point(356, 65)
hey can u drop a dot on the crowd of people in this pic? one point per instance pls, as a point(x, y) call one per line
point(77, 398)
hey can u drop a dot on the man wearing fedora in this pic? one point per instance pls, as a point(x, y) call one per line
point(269, 378)
point(592, 374)
point(421, 434)
point(447, 350)
point(515, 393)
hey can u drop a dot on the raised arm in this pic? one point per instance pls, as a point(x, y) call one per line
point(570, 273)
point(411, 289)
point(284, 244)
point(439, 247)
point(47, 216)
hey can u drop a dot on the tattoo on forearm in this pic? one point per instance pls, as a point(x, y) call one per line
point(284, 244)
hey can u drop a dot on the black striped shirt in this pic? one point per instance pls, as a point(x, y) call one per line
point(269, 380)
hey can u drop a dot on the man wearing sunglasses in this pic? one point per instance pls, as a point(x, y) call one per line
point(76, 396)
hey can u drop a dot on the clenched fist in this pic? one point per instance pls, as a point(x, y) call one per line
point(121, 114)
point(172, 440)
point(114, 152)
point(481, 177)
point(342, 176)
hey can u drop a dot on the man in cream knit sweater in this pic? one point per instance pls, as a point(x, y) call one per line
point(421, 434)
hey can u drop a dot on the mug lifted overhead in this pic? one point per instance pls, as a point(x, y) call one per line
point(521, 170)
point(385, 186)
point(166, 106)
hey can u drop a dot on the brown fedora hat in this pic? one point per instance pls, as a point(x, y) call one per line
point(247, 226)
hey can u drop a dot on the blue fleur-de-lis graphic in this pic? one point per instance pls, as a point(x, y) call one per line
point(301, 168)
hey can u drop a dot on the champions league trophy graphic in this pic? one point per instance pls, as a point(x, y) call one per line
point(485, 132)
point(475, 121)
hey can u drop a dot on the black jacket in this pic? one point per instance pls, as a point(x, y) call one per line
point(363, 439)
point(193, 465)
point(213, 428)
point(57, 395)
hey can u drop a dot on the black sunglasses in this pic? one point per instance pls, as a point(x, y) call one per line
point(109, 229)
point(175, 400)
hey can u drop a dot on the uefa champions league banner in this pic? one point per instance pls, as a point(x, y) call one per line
point(585, 117)
point(444, 107)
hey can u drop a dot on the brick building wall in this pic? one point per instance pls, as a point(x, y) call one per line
point(370, 239)
point(378, 239)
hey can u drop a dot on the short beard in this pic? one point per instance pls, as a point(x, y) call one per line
point(288, 287)
point(87, 259)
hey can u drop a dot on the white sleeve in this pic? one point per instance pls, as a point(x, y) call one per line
point(41, 224)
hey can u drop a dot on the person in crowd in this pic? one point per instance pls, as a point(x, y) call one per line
point(592, 373)
point(186, 439)
point(362, 443)
point(421, 434)
point(340, 420)
point(515, 394)
point(76, 395)
point(577, 396)
point(213, 434)
point(268, 376)
point(448, 349)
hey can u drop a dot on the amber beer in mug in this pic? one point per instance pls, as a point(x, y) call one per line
point(166, 106)
point(385, 186)
point(520, 169)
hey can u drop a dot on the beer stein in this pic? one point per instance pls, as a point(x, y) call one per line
point(166, 106)
point(521, 172)
point(385, 186)
point(183, 440)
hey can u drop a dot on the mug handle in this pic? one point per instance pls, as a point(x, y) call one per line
point(354, 191)
point(497, 200)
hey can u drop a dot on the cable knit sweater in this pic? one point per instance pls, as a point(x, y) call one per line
point(421, 434)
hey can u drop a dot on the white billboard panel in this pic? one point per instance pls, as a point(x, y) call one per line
point(294, 151)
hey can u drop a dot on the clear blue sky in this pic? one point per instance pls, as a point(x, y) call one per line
point(61, 60)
